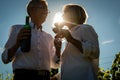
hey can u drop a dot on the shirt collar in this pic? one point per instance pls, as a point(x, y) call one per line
point(33, 26)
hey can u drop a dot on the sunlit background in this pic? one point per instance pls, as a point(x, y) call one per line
point(57, 18)
point(104, 15)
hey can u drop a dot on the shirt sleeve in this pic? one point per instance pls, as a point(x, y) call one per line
point(10, 42)
point(90, 50)
point(55, 61)
point(90, 43)
point(89, 39)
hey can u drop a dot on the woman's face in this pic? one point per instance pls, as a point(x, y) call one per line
point(66, 16)
point(38, 14)
point(69, 19)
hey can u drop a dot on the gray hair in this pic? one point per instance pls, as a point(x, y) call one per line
point(33, 3)
point(77, 13)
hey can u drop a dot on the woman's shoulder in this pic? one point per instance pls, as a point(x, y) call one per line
point(86, 25)
point(89, 28)
point(82, 27)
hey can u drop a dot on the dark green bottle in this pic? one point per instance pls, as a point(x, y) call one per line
point(26, 43)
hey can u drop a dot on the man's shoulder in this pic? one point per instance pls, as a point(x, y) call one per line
point(16, 28)
point(48, 35)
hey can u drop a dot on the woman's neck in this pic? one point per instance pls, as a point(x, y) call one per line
point(70, 26)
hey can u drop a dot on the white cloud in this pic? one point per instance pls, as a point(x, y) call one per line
point(107, 42)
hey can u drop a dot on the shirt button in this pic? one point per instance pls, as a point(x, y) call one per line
point(38, 47)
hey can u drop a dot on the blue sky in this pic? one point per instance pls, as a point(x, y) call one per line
point(104, 15)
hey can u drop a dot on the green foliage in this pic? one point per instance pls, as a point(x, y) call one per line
point(104, 75)
point(113, 73)
point(115, 69)
point(6, 76)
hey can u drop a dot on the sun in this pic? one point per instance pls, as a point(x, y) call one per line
point(57, 18)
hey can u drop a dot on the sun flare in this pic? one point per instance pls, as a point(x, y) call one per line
point(57, 18)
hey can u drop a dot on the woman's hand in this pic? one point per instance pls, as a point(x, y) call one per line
point(58, 44)
point(58, 26)
point(66, 34)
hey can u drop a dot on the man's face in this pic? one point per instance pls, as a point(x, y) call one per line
point(38, 13)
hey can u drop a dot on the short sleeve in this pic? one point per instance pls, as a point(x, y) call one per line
point(90, 50)
point(89, 39)
point(90, 42)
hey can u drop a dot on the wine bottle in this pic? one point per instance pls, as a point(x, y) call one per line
point(26, 43)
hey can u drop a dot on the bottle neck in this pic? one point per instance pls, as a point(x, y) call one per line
point(27, 23)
